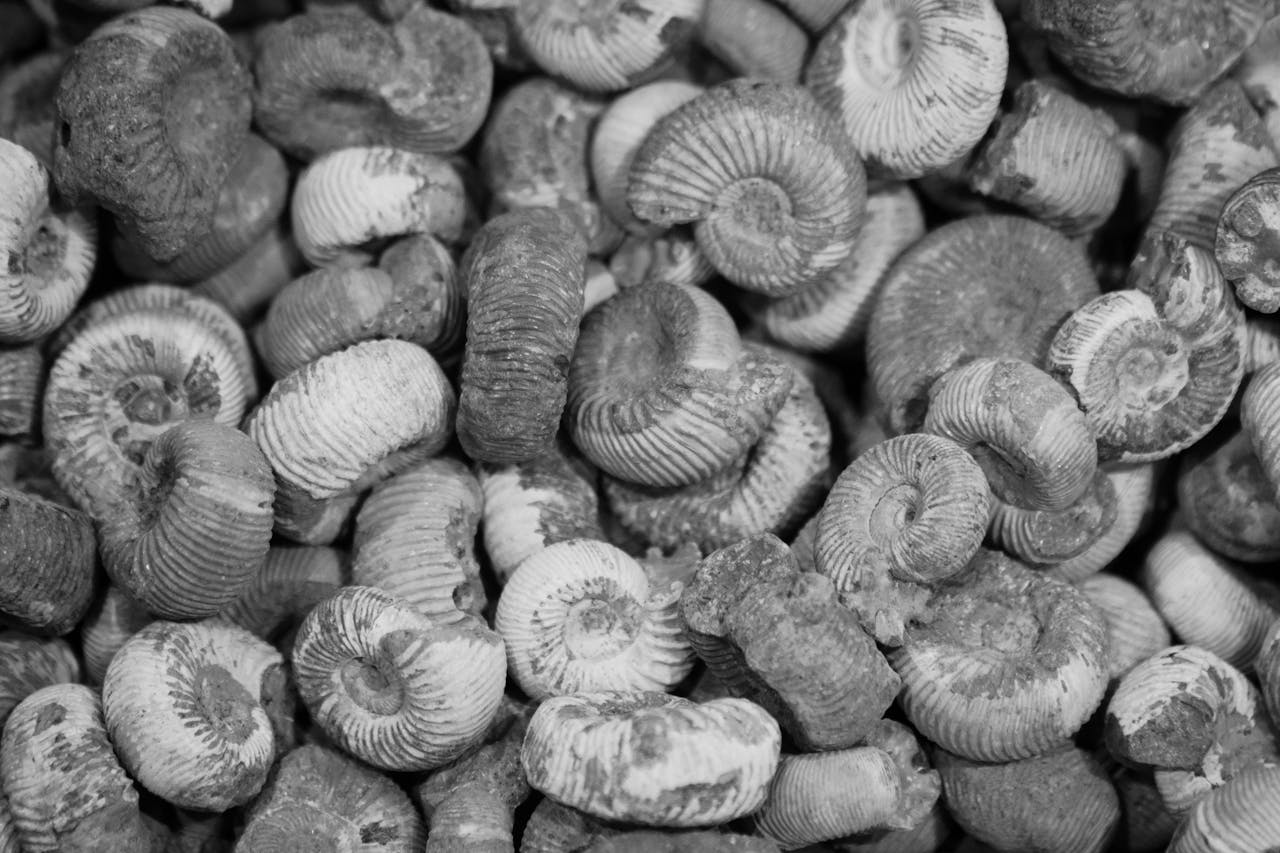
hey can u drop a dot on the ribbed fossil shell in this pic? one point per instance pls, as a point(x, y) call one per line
point(392, 687)
point(1060, 802)
point(152, 108)
point(336, 78)
point(1046, 537)
point(618, 134)
point(524, 275)
point(113, 619)
point(355, 415)
point(581, 617)
point(1135, 631)
point(1217, 145)
point(1011, 664)
point(908, 512)
point(320, 799)
point(1256, 71)
point(1023, 428)
point(50, 250)
point(532, 505)
point(670, 257)
point(49, 556)
point(1227, 500)
point(1242, 815)
point(22, 372)
point(1261, 341)
point(654, 759)
point(1145, 48)
point(1207, 600)
point(27, 110)
point(415, 536)
point(754, 39)
point(781, 481)
point(556, 828)
point(120, 383)
point(833, 313)
point(1267, 666)
point(1154, 368)
point(605, 47)
point(915, 83)
point(1260, 419)
point(65, 787)
point(292, 580)
point(32, 663)
point(193, 529)
point(776, 193)
point(186, 707)
point(1247, 227)
point(1134, 489)
point(1145, 824)
point(246, 285)
point(996, 286)
point(1054, 157)
point(779, 637)
point(346, 198)
point(661, 391)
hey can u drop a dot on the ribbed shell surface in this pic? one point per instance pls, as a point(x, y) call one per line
point(33, 663)
point(49, 556)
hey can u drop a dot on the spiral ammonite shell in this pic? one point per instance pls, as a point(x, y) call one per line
point(427, 304)
point(246, 285)
point(321, 800)
point(113, 619)
point(49, 556)
point(292, 580)
point(991, 693)
point(651, 758)
point(907, 513)
point(184, 703)
point(604, 46)
point(152, 111)
point(1148, 48)
point(346, 198)
point(358, 414)
point(414, 538)
point(1135, 630)
point(524, 276)
point(1241, 815)
point(32, 663)
point(914, 82)
point(582, 616)
point(1227, 500)
point(995, 286)
point(65, 788)
point(392, 687)
point(50, 251)
point(1248, 228)
point(661, 390)
point(772, 185)
point(1260, 419)
point(120, 384)
point(337, 78)
point(532, 505)
point(1267, 666)
point(1047, 537)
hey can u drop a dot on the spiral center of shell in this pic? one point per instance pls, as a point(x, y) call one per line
point(752, 211)
point(224, 703)
point(1008, 626)
point(42, 259)
point(370, 687)
point(1152, 373)
point(885, 44)
point(895, 511)
point(599, 627)
point(140, 409)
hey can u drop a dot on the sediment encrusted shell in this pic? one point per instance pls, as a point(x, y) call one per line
point(1247, 228)
point(605, 47)
point(1155, 367)
point(581, 617)
point(152, 108)
point(914, 83)
point(392, 687)
point(65, 788)
point(1011, 664)
point(120, 383)
point(693, 399)
point(1054, 157)
point(32, 663)
point(1242, 815)
point(320, 799)
point(186, 705)
point(776, 192)
point(1135, 631)
point(112, 620)
point(1046, 537)
point(1207, 600)
point(1141, 48)
point(781, 481)
point(834, 311)
point(907, 513)
point(336, 78)
point(22, 372)
point(49, 556)
point(556, 828)
point(996, 286)
point(1227, 501)
point(49, 250)
point(353, 416)
point(414, 538)
point(348, 197)
point(532, 505)
point(524, 275)
point(654, 759)
point(780, 638)
point(1057, 802)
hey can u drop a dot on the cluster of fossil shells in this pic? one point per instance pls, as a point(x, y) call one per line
point(639, 425)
